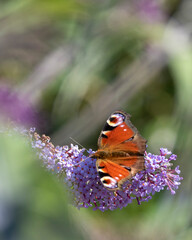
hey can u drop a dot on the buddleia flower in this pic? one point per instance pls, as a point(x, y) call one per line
point(77, 170)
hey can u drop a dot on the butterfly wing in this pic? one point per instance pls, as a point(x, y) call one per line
point(114, 173)
point(121, 151)
point(111, 173)
point(119, 134)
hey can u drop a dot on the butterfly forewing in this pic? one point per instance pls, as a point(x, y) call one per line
point(115, 125)
point(121, 151)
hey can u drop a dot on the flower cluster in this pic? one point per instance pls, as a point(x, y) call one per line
point(79, 173)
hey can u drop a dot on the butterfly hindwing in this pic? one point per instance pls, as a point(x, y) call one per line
point(111, 174)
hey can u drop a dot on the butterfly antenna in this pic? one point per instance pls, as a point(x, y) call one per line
point(77, 143)
point(76, 164)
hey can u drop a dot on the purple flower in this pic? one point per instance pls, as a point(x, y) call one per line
point(79, 173)
point(15, 109)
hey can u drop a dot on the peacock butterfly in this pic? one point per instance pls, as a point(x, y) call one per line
point(120, 153)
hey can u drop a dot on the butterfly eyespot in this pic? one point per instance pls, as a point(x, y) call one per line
point(112, 119)
point(105, 181)
point(109, 182)
point(115, 120)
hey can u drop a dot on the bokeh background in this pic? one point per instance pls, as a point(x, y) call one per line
point(64, 67)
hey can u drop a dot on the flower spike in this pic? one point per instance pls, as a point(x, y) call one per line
point(83, 182)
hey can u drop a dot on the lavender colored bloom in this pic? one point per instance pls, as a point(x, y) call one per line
point(15, 109)
point(80, 175)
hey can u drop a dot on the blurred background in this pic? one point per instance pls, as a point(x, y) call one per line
point(64, 67)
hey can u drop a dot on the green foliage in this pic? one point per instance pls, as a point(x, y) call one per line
point(34, 205)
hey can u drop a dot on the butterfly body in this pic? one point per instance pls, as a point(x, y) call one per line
point(121, 151)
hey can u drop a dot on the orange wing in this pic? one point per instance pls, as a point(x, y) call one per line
point(119, 134)
point(114, 173)
point(121, 151)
